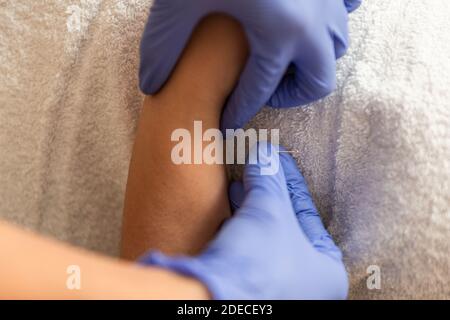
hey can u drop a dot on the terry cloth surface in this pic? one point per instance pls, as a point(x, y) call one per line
point(376, 153)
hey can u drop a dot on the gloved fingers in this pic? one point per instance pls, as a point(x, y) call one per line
point(236, 194)
point(264, 184)
point(313, 77)
point(339, 32)
point(159, 52)
point(258, 81)
point(305, 210)
point(352, 5)
point(331, 279)
point(287, 94)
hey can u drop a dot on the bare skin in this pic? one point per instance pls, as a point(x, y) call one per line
point(34, 267)
point(178, 208)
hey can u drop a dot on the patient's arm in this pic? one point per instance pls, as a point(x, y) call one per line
point(178, 208)
point(35, 267)
point(173, 208)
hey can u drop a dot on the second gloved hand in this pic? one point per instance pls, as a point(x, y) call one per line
point(274, 246)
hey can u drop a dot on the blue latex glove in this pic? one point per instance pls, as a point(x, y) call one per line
point(275, 245)
point(304, 36)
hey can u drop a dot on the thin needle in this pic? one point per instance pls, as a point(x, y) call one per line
point(293, 151)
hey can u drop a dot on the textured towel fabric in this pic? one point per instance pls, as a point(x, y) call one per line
point(376, 153)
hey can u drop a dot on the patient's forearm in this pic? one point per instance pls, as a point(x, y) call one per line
point(178, 208)
point(34, 267)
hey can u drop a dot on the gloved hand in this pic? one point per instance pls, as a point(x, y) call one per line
point(306, 36)
point(274, 246)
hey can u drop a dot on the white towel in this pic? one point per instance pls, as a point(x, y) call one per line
point(376, 153)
